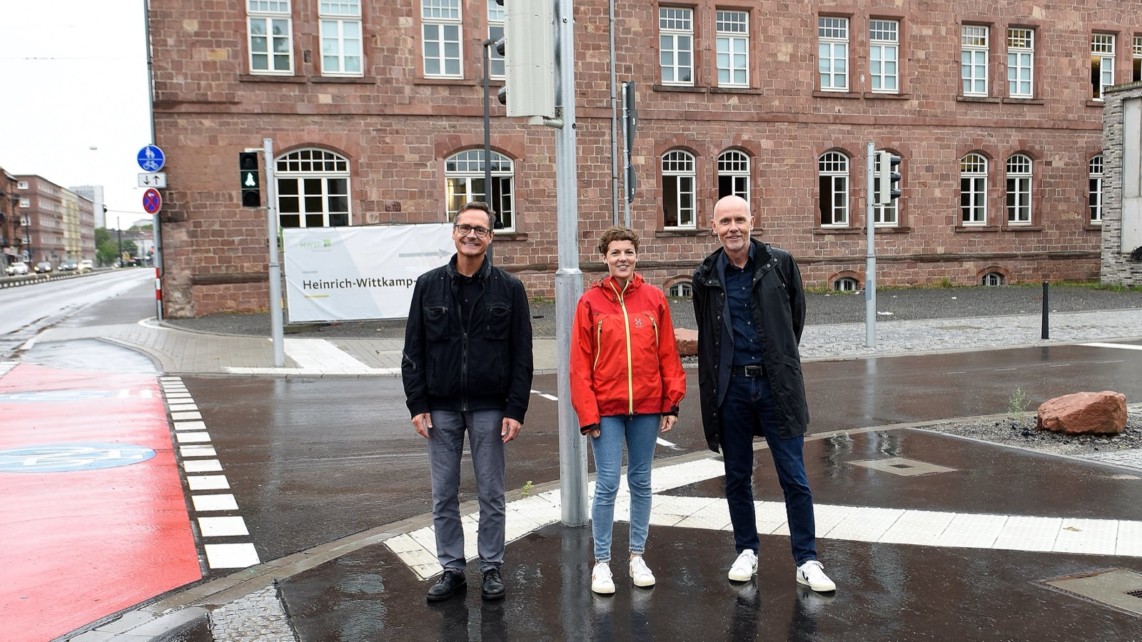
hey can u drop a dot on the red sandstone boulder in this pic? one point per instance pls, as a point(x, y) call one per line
point(687, 340)
point(1084, 412)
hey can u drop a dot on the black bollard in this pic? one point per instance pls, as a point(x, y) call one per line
point(1046, 323)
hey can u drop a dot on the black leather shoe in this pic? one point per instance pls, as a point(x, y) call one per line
point(493, 586)
point(447, 586)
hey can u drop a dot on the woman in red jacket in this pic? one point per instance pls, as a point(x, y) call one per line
point(626, 384)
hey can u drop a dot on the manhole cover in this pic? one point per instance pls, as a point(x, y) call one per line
point(902, 467)
point(1117, 588)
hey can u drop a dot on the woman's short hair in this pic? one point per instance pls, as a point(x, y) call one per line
point(617, 233)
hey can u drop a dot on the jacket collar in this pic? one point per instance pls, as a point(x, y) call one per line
point(481, 274)
point(610, 286)
point(714, 265)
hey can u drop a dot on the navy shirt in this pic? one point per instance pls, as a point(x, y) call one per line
point(747, 342)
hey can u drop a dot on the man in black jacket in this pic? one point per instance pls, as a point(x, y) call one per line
point(467, 368)
point(750, 308)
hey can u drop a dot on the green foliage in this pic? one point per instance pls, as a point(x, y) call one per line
point(1017, 405)
point(526, 491)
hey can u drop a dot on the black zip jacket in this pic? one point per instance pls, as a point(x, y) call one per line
point(777, 301)
point(482, 363)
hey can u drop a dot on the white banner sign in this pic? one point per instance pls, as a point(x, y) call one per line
point(347, 273)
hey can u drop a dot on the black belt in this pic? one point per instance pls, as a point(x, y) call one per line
point(757, 370)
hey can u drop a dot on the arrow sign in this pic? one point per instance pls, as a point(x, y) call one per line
point(158, 180)
point(152, 201)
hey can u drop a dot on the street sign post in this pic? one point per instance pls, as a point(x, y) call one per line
point(158, 180)
point(151, 158)
point(152, 201)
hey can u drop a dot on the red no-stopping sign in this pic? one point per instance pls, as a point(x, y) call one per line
point(152, 201)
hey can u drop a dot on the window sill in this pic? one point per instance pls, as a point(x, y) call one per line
point(447, 82)
point(1091, 226)
point(817, 93)
point(971, 229)
point(1022, 101)
point(1022, 228)
point(1095, 103)
point(890, 229)
point(511, 236)
point(977, 99)
point(687, 89)
point(837, 230)
point(875, 95)
point(681, 233)
point(735, 90)
point(343, 80)
point(297, 80)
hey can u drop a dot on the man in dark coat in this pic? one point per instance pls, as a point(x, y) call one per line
point(750, 308)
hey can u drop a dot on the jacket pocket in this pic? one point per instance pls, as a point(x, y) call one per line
point(499, 321)
point(436, 323)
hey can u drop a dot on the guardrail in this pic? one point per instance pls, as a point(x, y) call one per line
point(32, 279)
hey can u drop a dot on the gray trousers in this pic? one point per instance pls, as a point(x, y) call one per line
point(445, 447)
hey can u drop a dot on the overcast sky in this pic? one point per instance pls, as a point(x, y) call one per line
point(74, 105)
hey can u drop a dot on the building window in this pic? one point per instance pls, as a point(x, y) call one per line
point(1101, 63)
point(22, 185)
point(733, 48)
point(25, 202)
point(973, 189)
point(681, 290)
point(1019, 189)
point(313, 189)
point(846, 284)
point(464, 182)
point(271, 37)
point(341, 38)
point(833, 171)
point(733, 174)
point(496, 17)
point(676, 45)
point(678, 204)
point(1095, 199)
point(884, 215)
point(833, 53)
point(1020, 62)
point(973, 59)
point(992, 279)
point(441, 35)
point(1137, 62)
point(883, 54)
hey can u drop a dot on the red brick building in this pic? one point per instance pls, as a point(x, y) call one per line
point(375, 111)
point(56, 223)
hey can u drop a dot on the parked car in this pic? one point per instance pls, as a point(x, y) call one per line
point(69, 266)
point(17, 268)
point(43, 267)
point(86, 265)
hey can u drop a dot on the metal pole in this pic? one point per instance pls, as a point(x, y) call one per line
point(274, 264)
point(626, 156)
point(870, 262)
point(568, 278)
point(614, 125)
point(488, 134)
point(157, 223)
point(1046, 306)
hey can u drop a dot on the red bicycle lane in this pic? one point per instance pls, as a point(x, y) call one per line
point(93, 517)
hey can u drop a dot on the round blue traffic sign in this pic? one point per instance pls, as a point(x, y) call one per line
point(151, 159)
point(71, 456)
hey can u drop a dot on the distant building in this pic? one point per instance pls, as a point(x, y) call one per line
point(94, 193)
point(58, 224)
point(11, 224)
point(375, 112)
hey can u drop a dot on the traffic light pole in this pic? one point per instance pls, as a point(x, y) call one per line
point(275, 267)
point(870, 266)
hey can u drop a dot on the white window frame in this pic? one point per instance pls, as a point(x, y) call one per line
point(342, 43)
point(884, 56)
point(974, 54)
point(1102, 49)
point(314, 185)
point(973, 177)
point(22, 185)
point(1094, 199)
point(732, 36)
point(846, 284)
point(496, 22)
point(884, 215)
point(1020, 62)
point(678, 180)
point(272, 16)
point(441, 38)
point(463, 181)
point(1020, 169)
point(676, 46)
point(1137, 59)
point(833, 168)
point(833, 53)
point(992, 279)
point(680, 290)
point(734, 166)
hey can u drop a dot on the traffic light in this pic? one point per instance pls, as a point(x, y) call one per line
point(528, 48)
point(249, 180)
point(888, 186)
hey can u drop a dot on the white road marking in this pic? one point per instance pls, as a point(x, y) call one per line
point(1120, 346)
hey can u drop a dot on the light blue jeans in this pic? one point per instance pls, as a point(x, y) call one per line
point(639, 433)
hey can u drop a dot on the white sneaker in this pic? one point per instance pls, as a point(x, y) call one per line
point(812, 574)
point(602, 582)
point(639, 573)
point(744, 566)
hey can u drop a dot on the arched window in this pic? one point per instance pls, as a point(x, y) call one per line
point(313, 189)
point(992, 279)
point(682, 289)
point(733, 174)
point(464, 177)
point(846, 284)
point(678, 204)
point(1019, 189)
point(833, 172)
point(1095, 199)
point(973, 189)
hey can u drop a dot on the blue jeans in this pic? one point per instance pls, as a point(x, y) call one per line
point(749, 402)
point(640, 433)
point(445, 447)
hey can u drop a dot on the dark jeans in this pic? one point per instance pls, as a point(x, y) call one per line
point(749, 402)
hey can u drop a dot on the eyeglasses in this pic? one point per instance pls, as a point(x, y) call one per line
point(465, 230)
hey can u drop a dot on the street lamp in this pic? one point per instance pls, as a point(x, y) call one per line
point(119, 229)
